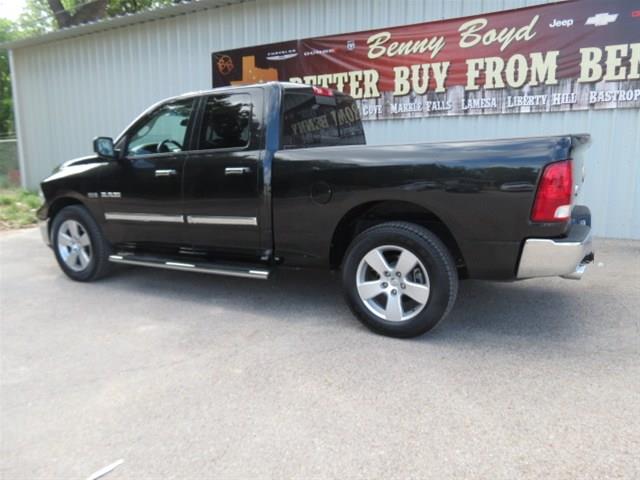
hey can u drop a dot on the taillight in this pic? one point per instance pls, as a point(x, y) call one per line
point(553, 198)
point(322, 91)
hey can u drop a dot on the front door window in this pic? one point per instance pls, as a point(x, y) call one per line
point(165, 131)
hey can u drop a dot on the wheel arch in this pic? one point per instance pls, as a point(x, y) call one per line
point(58, 204)
point(373, 213)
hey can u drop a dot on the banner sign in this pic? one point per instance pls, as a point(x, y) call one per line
point(573, 55)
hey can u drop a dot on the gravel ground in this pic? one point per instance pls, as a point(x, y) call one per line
point(192, 376)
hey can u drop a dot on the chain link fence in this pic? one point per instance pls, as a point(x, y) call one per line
point(9, 169)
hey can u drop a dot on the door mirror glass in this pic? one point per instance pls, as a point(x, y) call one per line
point(103, 146)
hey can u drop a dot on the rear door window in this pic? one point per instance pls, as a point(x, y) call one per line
point(310, 120)
point(226, 122)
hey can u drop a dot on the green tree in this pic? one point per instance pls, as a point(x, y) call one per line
point(42, 16)
point(76, 12)
point(36, 18)
point(8, 32)
point(123, 7)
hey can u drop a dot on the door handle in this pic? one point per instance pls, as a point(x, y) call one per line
point(236, 170)
point(165, 173)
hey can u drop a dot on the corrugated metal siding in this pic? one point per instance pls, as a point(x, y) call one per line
point(72, 90)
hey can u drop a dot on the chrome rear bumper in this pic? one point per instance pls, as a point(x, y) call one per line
point(565, 257)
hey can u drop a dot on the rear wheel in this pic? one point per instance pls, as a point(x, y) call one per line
point(78, 244)
point(399, 279)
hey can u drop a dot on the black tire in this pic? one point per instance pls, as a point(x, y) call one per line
point(98, 265)
point(441, 278)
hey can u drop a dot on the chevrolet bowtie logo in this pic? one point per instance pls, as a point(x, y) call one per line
point(601, 19)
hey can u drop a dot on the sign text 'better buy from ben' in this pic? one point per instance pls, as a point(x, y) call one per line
point(574, 55)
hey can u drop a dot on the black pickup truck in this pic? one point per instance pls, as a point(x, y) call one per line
point(241, 180)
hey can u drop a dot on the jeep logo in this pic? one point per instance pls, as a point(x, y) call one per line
point(561, 23)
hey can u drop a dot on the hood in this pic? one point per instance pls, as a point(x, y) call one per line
point(74, 167)
point(89, 159)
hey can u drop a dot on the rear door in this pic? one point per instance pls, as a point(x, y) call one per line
point(223, 180)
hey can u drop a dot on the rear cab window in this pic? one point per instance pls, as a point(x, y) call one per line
point(319, 118)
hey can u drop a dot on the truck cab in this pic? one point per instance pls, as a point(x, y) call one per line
point(191, 173)
point(194, 171)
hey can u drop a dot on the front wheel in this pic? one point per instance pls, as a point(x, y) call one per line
point(81, 250)
point(399, 279)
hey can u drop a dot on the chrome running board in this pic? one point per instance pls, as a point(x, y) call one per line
point(246, 271)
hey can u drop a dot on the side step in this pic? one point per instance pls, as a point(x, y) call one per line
point(232, 270)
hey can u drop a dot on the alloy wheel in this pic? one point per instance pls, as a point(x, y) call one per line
point(393, 283)
point(74, 245)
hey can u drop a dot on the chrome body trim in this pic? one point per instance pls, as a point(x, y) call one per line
point(188, 267)
point(165, 173)
point(567, 258)
point(179, 264)
point(43, 226)
point(236, 170)
point(210, 220)
point(143, 217)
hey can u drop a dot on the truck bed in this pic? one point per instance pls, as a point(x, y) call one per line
point(481, 190)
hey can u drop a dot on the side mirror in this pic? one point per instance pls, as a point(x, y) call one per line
point(103, 146)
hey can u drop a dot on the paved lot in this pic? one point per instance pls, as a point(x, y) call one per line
point(189, 376)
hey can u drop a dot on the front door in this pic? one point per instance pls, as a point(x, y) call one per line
point(142, 192)
point(223, 178)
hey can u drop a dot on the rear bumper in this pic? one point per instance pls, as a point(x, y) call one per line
point(565, 257)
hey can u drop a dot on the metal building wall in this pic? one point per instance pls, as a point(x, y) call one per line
point(71, 90)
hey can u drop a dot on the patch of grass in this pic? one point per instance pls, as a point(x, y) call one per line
point(18, 208)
